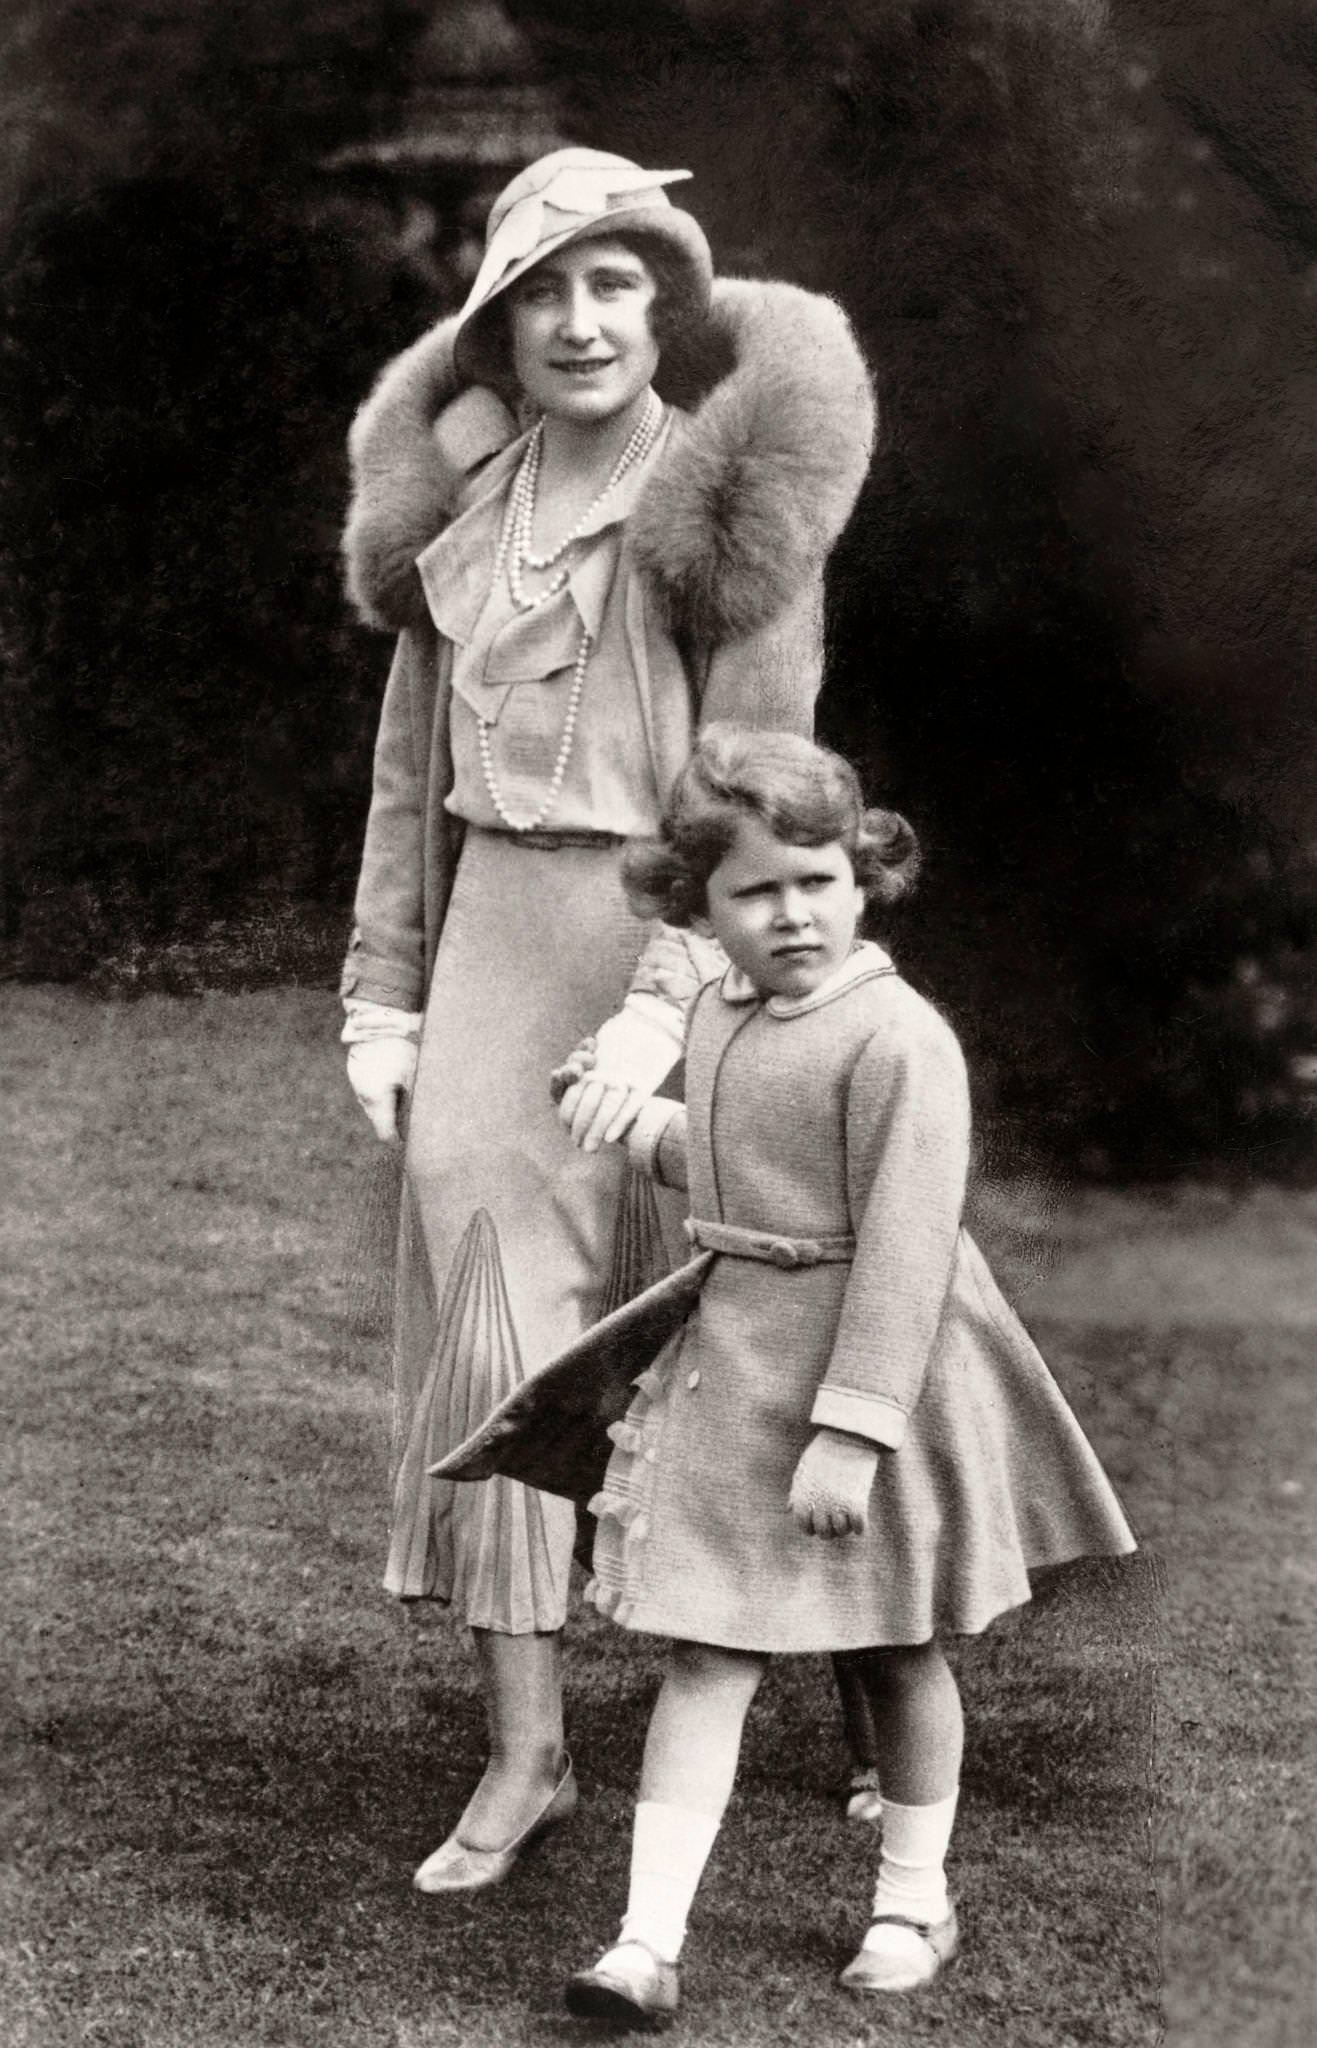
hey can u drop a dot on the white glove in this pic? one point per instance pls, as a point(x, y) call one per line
point(633, 1052)
point(832, 1482)
point(380, 1070)
point(382, 1048)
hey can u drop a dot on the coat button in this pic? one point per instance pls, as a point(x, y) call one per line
point(784, 1255)
point(693, 1378)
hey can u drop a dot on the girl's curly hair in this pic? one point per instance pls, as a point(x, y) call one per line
point(805, 794)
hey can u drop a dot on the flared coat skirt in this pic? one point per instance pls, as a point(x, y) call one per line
point(994, 1480)
point(511, 1241)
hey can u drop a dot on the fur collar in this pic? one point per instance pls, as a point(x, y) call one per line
point(759, 479)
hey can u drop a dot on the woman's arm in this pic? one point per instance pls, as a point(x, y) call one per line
point(770, 679)
point(635, 1050)
point(386, 955)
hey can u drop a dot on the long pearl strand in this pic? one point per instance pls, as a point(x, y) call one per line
point(514, 553)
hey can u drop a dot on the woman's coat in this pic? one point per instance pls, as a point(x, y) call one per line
point(724, 560)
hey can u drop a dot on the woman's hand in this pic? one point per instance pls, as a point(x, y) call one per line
point(596, 1111)
point(574, 1068)
point(381, 1071)
point(831, 1484)
point(610, 1076)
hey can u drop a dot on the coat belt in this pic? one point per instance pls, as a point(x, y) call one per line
point(774, 1250)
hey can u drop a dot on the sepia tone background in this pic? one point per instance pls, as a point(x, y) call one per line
point(1072, 634)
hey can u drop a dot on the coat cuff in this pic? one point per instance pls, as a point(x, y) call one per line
point(871, 1416)
point(367, 1021)
point(646, 1133)
point(375, 980)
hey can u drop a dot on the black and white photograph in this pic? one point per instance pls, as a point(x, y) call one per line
point(658, 974)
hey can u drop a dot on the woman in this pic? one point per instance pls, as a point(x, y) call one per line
point(572, 603)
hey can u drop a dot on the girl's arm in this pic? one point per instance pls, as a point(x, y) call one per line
point(907, 1155)
point(654, 1129)
point(907, 1143)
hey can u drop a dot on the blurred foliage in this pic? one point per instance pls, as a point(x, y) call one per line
point(1073, 622)
point(190, 315)
point(1074, 628)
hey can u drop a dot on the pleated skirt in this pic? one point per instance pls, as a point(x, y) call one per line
point(511, 1242)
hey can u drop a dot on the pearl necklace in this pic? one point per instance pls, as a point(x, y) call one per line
point(514, 553)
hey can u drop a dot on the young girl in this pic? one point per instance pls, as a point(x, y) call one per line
point(852, 1445)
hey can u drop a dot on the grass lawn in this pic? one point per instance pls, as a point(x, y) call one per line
point(231, 1749)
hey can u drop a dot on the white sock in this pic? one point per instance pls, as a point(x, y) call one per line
point(669, 1849)
point(911, 1880)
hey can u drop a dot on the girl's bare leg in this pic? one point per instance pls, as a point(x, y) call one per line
point(918, 1727)
point(694, 1739)
point(522, 1681)
point(691, 1753)
point(919, 1736)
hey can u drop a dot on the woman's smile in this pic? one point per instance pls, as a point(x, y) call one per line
point(582, 345)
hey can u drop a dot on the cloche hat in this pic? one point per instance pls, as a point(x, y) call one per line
point(565, 197)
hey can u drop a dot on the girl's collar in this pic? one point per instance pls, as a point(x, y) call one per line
point(864, 959)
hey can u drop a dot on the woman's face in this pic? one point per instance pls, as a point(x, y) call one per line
point(582, 346)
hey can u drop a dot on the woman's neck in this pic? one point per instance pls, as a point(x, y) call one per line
point(579, 450)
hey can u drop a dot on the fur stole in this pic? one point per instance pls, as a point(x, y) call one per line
point(758, 480)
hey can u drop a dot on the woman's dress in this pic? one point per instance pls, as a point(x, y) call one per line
point(513, 1241)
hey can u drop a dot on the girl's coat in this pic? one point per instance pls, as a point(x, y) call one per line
point(841, 1116)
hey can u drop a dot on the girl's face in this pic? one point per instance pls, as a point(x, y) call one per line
point(785, 915)
point(582, 347)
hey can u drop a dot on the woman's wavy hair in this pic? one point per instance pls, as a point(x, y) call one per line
point(677, 317)
point(805, 794)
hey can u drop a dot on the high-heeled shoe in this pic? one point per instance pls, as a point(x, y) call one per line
point(457, 1866)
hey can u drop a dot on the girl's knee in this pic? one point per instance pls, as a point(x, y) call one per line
point(898, 1666)
point(707, 1666)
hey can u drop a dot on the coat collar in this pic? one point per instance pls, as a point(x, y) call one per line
point(864, 961)
point(730, 521)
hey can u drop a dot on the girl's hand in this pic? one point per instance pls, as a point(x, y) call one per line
point(831, 1485)
point(574, 1068)
point(381, 1070)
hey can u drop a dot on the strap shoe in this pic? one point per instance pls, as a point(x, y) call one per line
point(457, 1866)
